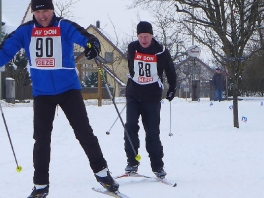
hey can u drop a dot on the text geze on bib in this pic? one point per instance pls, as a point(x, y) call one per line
point(145, 68)
point(45, 48)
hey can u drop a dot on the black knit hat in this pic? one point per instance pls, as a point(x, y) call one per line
point(41, 5)
point(144, 27)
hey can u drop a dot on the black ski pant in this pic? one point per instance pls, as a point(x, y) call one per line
point(150, 114)
point(71, 102)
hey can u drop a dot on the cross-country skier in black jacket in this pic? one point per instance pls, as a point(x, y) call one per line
point(147, 60)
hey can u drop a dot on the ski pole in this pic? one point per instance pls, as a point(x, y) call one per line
point(170, 134)
point(108, 132)
point(18, 168)
point(137, 157)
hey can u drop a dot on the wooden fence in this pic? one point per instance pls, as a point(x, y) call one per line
point(25, 93)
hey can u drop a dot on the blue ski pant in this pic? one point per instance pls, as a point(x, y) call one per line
point(218, 94)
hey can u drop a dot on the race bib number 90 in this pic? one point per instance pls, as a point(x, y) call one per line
point(44, 46)
point(44, 41)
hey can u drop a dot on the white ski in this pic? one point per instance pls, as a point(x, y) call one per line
point(116, 194)
point(164, 181)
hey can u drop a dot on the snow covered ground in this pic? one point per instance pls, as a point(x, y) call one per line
point(206, 156)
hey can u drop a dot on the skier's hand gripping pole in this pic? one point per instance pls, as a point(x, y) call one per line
point(99, 66)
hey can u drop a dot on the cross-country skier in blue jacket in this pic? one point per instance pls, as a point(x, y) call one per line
point(49, 45)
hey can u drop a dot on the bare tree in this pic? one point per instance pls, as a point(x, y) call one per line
point(169, 33)
point(63, 8)
point(225, 27)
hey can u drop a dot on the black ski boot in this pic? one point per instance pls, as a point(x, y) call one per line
point(107, 182)
point(160, 173)
point(131, 169)
point(39, 193)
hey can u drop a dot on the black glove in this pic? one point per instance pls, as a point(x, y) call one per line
point(170, 94)
point(92, 49)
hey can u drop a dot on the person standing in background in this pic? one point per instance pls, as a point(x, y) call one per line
point(219, 84)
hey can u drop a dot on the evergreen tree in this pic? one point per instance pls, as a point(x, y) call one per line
point(92, 80)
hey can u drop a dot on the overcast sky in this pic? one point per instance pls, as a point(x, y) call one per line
point(114, 16)
point(115, 11)
point(123, 19)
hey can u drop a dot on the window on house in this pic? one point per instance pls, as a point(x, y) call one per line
point(109, 57)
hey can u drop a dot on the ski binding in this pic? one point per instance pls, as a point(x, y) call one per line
point(134, 174)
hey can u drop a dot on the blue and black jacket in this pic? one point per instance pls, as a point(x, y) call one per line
point(48, 82)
